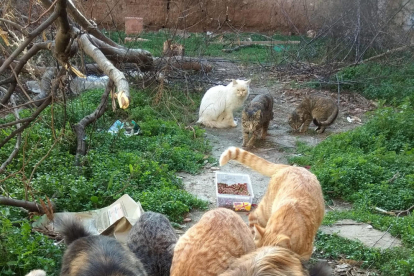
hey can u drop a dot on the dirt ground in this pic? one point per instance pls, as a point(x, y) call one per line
point(280, 142)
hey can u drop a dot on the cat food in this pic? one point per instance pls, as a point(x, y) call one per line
point(242, 206)
point(233, 189)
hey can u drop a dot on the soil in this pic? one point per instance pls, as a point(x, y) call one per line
point(280, 142)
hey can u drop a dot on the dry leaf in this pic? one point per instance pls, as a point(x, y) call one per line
point(4, 35)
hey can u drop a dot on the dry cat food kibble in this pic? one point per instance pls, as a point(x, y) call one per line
point(233, 189)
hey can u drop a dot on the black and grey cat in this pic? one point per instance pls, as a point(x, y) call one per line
point(90, 255)
point(152, 239)
point(256, 117)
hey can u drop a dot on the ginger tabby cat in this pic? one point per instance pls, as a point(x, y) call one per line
point(275, 261)
point(208, 247)
point(323, 111)
point(292, 208)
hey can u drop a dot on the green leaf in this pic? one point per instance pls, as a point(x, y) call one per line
point(94, 199)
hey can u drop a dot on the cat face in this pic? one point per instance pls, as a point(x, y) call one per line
point(295, 121)
point(241, 87)
point(251, 122)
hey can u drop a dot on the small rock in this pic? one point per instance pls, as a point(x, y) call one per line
point(186, 220)
point(369, 227)
point(215, 168)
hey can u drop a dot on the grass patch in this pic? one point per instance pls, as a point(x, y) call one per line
point(142, 166)
point(392, 262)
point(388, 82)
point(199, 44)
point(370, 166)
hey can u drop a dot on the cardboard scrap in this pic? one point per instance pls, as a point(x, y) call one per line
point(114, 220)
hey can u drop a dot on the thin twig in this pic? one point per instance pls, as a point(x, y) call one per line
point(18, 140)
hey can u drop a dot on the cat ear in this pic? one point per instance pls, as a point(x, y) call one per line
point(283, 241)
point(234, 81)
point(258, 231)
point(248, 82)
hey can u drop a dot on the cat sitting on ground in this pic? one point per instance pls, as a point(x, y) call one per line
point(274, 260)
point(152, 239)
point(323, 111)
point(219, 102)
point(256, 117)
point(292, 208)
point(208, 247)
point(89, 255)
point(170, 49)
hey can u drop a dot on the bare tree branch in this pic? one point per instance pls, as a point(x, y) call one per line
point(18, 140)
point(47, 101)
point(28, 205)
point(15, 25)
point(27, 41)
point(109, 69)
point(80, 127)
point(85, 23)
point(141, 57)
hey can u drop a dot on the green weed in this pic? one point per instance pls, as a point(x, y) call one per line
point(370, 166)
point(142, 166)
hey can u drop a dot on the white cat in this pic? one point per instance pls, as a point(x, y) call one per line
point(219, 102)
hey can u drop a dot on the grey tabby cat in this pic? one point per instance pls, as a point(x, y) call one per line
point(323, 111)
point(256, 117)
point(152, 239)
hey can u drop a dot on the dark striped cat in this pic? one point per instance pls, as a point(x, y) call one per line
point(88, 255)
point(323, 111)
point(152, 239)
point(256, 117)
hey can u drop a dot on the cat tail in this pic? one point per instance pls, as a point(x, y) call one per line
point(320, 269)
point(70, 228)
point(251, 160)
point(330, 119)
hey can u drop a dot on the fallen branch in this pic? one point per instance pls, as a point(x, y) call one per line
point(384, 211)
point(80, 127)
point(183, 63)
point(142, 58)
point(240, 47)
point(404, 212)
point(28, 205)
point(109, 69)
point(270, 42)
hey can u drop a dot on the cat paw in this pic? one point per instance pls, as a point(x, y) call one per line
point(234, 123)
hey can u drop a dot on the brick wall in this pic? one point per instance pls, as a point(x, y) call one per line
point(201, 15)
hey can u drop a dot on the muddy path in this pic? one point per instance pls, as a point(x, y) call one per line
point(281, 141)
